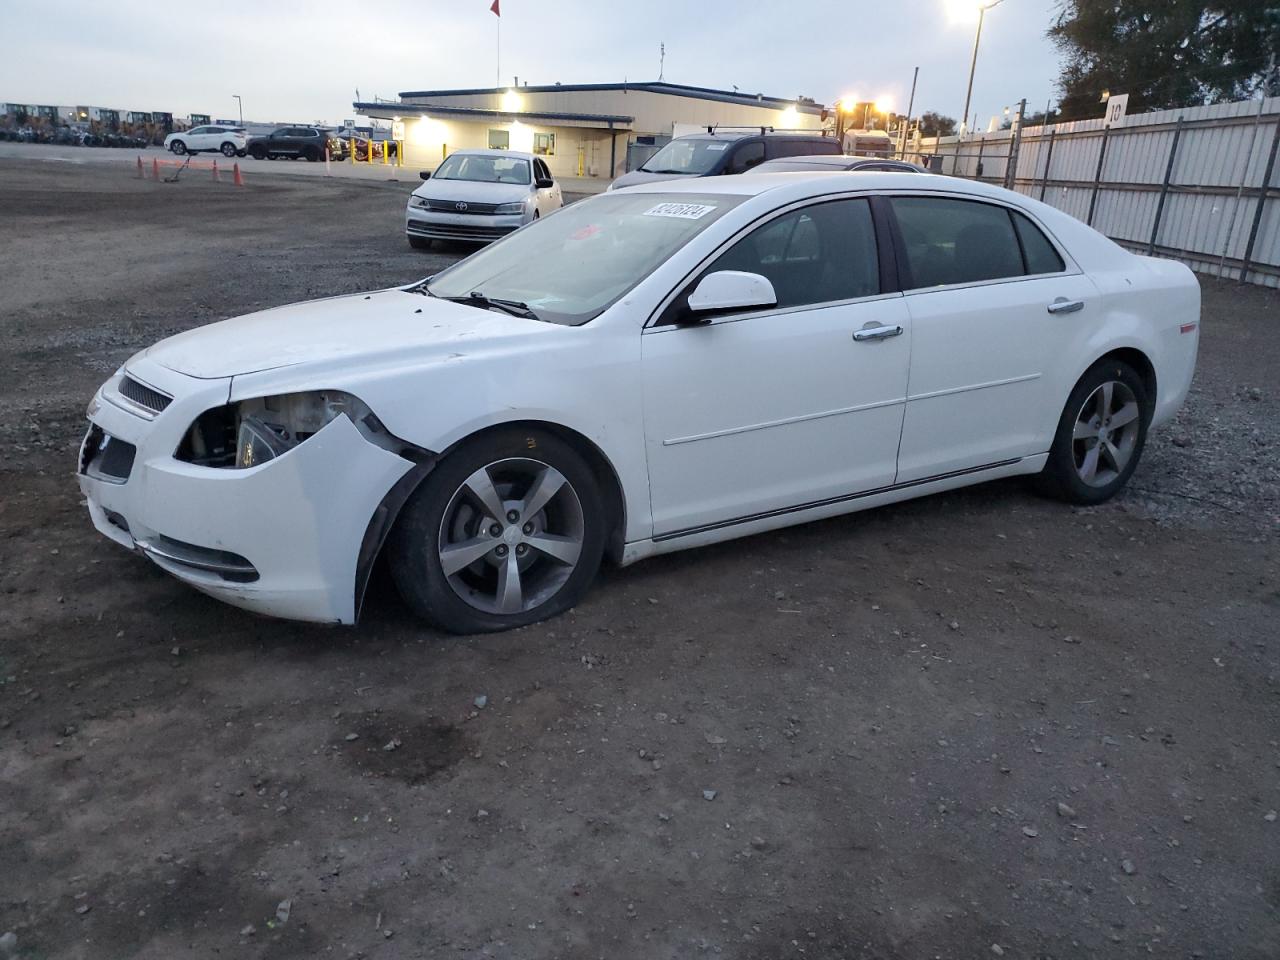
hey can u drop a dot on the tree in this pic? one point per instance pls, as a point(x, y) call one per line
point(936, 125)
point(1163, 53)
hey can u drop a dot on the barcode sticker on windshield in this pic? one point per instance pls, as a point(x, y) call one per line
point(681, 211)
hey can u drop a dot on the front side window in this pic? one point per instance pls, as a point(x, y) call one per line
point(570, 267)
point(817, 254)
point(483, 169)
point(957, 241)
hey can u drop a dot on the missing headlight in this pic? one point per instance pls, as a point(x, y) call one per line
point(253, 432)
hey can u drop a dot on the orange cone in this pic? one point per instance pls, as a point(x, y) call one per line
point(239, 180)
point(141, 173)
point(215, 171)
point(155, 169)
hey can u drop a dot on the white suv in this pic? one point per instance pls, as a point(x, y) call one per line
point(229, 141)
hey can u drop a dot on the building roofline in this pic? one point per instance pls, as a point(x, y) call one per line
point(654, 86)
point(423, 109)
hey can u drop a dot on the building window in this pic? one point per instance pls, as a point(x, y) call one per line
point(544, 144)
point(499, 139)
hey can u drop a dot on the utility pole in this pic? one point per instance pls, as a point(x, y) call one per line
point(973, 64)
point(1015, 143)
point(662, 60)
point(906, 121)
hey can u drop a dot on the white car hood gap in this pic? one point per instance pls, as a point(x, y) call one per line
point(362, 326)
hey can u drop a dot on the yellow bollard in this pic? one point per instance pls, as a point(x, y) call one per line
point(351, 144)
point(385, 145)
point(399, 153)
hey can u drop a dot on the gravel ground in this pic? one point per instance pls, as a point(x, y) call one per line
point(980, 724)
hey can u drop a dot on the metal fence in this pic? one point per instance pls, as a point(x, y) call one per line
point(1197, 184)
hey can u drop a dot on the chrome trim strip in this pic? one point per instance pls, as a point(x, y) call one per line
point(782, 423)
point(815, 504)
point(213, 566)
point(973, 386)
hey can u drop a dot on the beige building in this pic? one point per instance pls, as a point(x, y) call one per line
point(581, 130)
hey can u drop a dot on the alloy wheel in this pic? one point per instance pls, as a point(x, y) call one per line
point(1106, 433)
point(511, 536)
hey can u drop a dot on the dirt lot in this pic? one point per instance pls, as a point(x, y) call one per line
point(982, 724)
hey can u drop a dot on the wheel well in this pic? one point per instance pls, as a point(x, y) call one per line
point(606, 476)
point(1140, 364)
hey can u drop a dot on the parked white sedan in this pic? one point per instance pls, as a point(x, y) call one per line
point(648, 370)
point(480, 195)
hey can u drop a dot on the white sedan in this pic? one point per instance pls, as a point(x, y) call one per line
point(480, 195)
point(648, 370)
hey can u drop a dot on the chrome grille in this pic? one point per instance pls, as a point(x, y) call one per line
point(143, 395)
point(451, 206)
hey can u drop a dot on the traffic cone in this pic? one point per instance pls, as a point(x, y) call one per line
point(141, 173)
point(155, 169)
point(239, 180)
point(215, 172)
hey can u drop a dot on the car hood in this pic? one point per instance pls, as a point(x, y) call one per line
point(643, 176)
point(473, 191)
point(341, 330)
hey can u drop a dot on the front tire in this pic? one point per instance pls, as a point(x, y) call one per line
point(179, 147)
point(257, 153)
point(506, 531)
point(1100, 436)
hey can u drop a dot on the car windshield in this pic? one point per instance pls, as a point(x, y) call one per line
point(496, 169)
point(689, 155)
point(569, 267)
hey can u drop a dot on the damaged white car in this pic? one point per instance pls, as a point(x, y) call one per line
point(645, 371)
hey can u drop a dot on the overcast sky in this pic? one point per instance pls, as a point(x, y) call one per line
point(304, 61)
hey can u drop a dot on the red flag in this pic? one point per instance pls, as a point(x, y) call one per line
point(496, 11)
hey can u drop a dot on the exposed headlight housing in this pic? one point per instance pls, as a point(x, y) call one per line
point(253, 432)
point(517, 207)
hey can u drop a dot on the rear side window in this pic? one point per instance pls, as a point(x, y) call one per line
point(818, 254)
point(1040, 255)
point(957, 241)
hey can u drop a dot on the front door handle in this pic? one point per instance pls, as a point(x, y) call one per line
point(876, 331)
point(1063, 305)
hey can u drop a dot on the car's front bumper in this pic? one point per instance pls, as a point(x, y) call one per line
point(478, 227)
point(282, 538)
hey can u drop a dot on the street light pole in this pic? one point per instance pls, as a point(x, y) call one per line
point(240, 102)
point(973, 64)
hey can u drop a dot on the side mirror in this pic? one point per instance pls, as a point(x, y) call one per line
point(728, 290)
point(425, 175)
point(543, 183)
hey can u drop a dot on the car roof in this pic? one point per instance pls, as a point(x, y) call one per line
point(478, 152)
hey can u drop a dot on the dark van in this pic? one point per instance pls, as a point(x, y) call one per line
point(724, 152)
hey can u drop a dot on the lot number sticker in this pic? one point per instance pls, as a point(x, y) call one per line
point(681, 211)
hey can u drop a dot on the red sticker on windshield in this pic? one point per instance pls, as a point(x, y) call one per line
point(590, 230)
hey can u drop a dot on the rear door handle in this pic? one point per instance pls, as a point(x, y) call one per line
point(1063, 305)
point(876, 331)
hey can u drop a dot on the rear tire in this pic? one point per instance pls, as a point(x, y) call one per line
point(228, 149)
point(1100, 436)
point(540, 497)
point(420, 243)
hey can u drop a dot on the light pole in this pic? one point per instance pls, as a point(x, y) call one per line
point(240, 102)
point(973, 64)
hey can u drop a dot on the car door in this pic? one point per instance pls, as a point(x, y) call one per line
point(777, 409)
point(197, 138)
point(548, 198)
point(994, 306)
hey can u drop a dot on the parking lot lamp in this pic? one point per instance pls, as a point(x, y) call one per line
point(239, 103)
point(963, 8)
